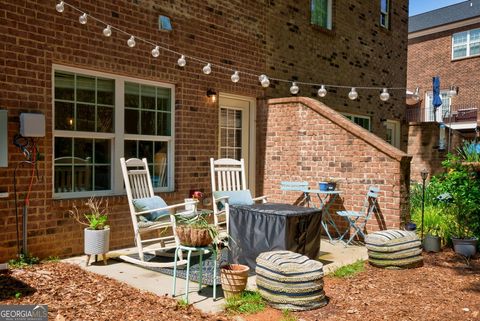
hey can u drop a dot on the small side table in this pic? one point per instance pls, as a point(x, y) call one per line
point(189, 250)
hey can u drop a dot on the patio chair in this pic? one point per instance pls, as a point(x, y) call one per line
point(358, 219)
point(229, 187)
point(152, 219)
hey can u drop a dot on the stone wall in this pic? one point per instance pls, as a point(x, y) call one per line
point(305, 140)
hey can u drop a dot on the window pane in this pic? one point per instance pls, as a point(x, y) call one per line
point(63, 148)
point(160, 165)
point(145, 150)
point(460, 38)
point(64, 86)
point(86, 89)
point(164, 124)
point(82, 177)
point(102, 178)
point(384, 5)
point(163, 99)
point(474, 48)
point(460, 51)
point(102, 151)
point(131, 121)
point(132, 95)
point(148, 123)
point(130, 149)
point(106, 91)
point(319, 13)
point(475, 35)
point(64, 114)
point(148, 97)
point(105, 119)
point(85, 118)
point(83, 148)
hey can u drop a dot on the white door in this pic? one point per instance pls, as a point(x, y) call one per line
point(393, 133)
point(236, 131)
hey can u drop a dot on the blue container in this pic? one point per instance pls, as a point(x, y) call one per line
point(323, 186)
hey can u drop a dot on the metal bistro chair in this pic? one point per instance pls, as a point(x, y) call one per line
point(358, 219)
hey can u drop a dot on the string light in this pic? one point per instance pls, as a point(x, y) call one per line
point(322, 92)
point(60, 7)
point(181, 61)
point(83, 18)
point(156, 52)
point(263, 79)
point(107, 32)
point(294, 88)
point(131, 42)
point(384, 96)
point(353, 94)
point(235, 77)
point(207, 69)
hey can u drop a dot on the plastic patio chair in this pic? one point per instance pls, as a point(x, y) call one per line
point(227, 175)
point(138, 185)
point(357, 220)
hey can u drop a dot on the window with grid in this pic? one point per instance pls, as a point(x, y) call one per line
point(385, 13)
point(99, 118)
point(363, 121)
point(466, 44)
point(231, 133)
point(321, 13)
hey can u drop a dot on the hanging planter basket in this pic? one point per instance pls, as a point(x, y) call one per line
point(190, 236)
point(475, 166)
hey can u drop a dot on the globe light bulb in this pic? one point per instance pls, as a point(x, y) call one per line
point(83, 19)
point(156, 52)
point(353, 94)
point(107, 32)
point(181, 61)
point(264, 81)
point(384, 96)
point(207, 69)
point(294, 88)
point(235, 77)
point(416, 94)
point(322, 92)
point(60, 7)
point(131, 42)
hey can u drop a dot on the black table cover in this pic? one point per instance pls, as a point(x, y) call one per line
point(268, 227)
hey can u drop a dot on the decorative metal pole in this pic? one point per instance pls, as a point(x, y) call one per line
point(424, 174)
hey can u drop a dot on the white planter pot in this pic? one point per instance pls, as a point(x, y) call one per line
point(96, 241)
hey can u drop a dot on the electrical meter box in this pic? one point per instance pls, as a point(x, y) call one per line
point(32, 125)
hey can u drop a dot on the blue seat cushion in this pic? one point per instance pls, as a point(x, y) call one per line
point(150, 203)
point(242, 197)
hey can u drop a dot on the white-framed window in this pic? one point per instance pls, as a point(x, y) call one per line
point(442, 111)
point(363, 121)
point(321, 13)
point(100, 117)
point(385, 13)
point(466, 44)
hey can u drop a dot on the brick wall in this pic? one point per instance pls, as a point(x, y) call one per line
point(249, 35)
point(307, 141)
point(423, 139)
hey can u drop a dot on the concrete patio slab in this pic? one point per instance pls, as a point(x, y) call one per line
point(332, 256)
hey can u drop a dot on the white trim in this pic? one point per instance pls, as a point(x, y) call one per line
point(118, 137)
point(467, 45)
point(386, 14)
point(446, 27)
point(251, 161)
point(394, 125)
point(466, 125)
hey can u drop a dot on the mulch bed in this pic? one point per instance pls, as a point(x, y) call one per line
point(75, 294)
point(445, 288)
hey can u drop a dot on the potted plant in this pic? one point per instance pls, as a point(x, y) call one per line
point(195, 230)
point(469, 153)
point(432, 224)
point(96, 232)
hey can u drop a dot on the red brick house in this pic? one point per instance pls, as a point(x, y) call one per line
point(104, 97)
point(443, 43)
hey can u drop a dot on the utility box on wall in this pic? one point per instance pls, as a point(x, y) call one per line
point(32, 125)
point(3, 138)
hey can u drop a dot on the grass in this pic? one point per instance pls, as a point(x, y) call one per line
point(248, 302)
point(288, 316)
point(182, 303)
point(23, 260)
point(350, 269)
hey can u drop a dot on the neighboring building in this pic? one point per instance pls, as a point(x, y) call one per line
point(103, 100)
point(445, 43)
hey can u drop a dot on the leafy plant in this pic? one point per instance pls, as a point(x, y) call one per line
point(248, 302)
point(288, 316)
point(18, 295)
point(95, 217)
point(469, 151)
point(23, 260)
point(350, 269)
point(434, 221)
point(182, 303)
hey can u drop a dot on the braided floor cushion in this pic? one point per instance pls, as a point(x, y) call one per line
point(394, 249)
point(288, 280)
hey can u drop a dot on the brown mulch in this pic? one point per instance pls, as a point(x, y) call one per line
point(445, 288)
point(75, 294)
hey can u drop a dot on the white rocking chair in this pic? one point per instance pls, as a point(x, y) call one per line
point(227, 175)
point(138, 185)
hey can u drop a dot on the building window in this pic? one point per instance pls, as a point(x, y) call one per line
point(99, 118)
point(321, 13)
point(466, 44)
point(385, 13)
point(441, 112)
point(363, 121)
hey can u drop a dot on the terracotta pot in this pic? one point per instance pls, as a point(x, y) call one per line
point(193, 236)
point(234, 279)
